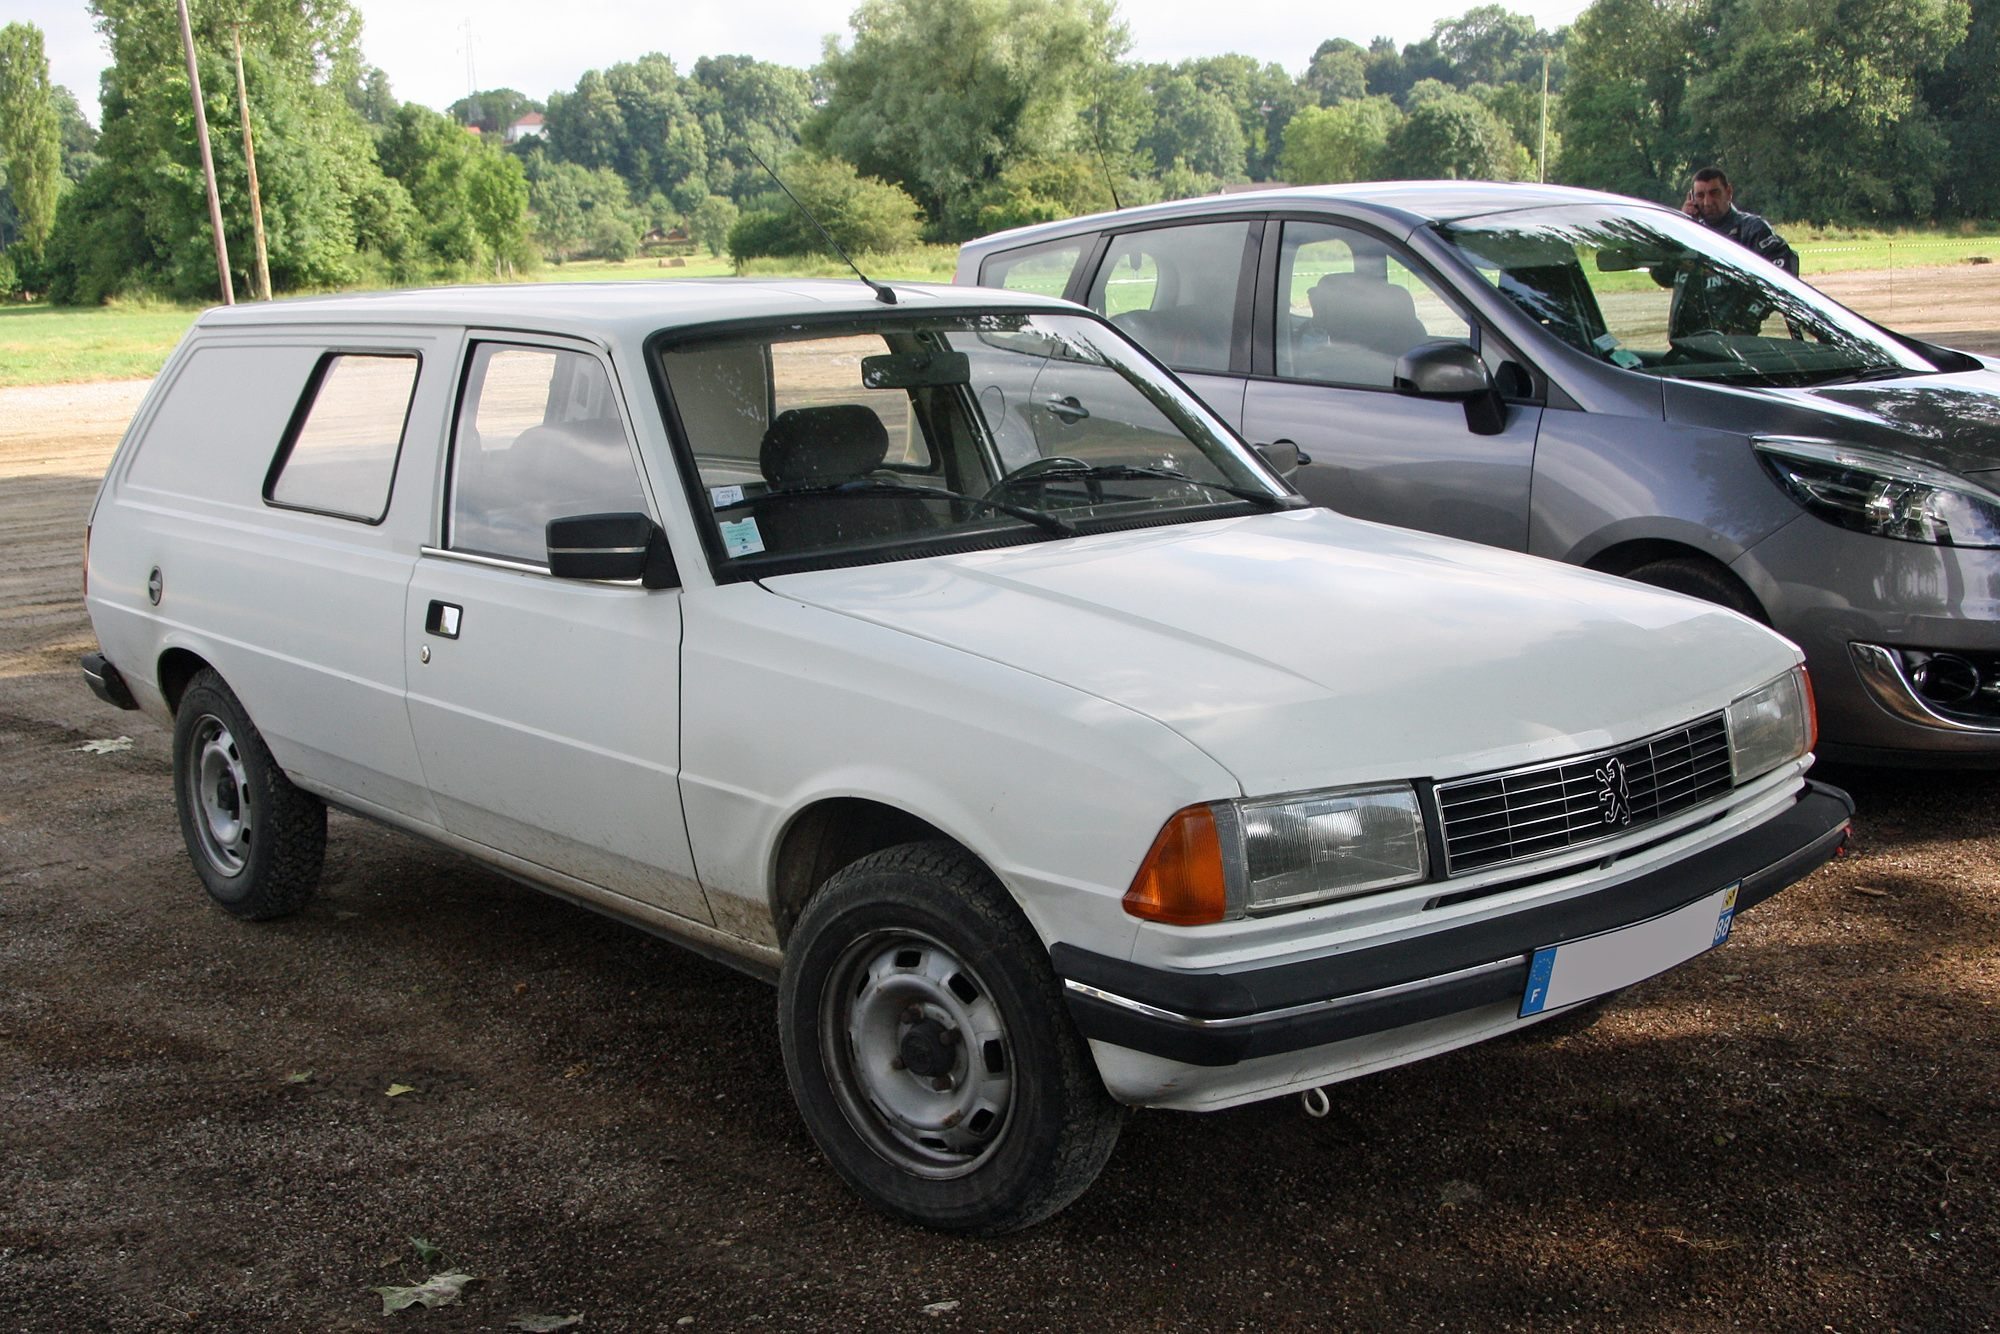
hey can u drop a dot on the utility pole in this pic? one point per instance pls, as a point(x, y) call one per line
point(1543, 155)
point(250, 159)
point(207, 160)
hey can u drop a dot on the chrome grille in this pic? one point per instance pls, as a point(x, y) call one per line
point(1529, 812)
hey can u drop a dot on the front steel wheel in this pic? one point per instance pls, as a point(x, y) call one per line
point(929, 1049)
point(917, 1052)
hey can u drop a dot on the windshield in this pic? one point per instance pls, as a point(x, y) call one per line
point(901, 436)
point(1662, 295)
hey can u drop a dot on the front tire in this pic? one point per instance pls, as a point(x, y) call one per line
point(257, 842)
point(928, 1047)
point(1702, 579)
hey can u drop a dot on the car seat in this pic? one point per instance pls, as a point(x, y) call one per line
point(825, 446)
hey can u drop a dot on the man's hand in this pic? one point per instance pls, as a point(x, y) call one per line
point(1688, 206)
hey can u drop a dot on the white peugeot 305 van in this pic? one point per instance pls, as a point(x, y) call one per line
point(948, 663)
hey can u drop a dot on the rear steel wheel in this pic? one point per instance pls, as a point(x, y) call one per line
point(256, 841)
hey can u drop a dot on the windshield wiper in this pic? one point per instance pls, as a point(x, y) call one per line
point(870, 487)
point(1113, 472)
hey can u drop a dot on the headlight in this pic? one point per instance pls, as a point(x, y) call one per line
point(1229, 858)
point(1772, 726)
point(1882, 494)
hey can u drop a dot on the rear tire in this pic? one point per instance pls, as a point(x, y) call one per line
point(1702, 579)
point(929, 1050)
point(257, 842)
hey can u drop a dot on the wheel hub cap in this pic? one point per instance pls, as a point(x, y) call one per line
point(918, 1052)
point(220, 784)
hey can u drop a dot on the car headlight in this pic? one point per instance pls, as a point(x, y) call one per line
point(1883, 494)
point(1229, 858)
point(1772, 725)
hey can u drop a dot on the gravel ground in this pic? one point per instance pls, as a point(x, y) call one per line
point(1797, 1132)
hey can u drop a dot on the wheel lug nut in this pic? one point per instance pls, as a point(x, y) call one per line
point(942, 1083)
point(949, 1037)
point(913, 1014)
point(895, 1063)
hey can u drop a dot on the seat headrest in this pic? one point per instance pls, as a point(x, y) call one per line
point(821, 446)
point(1354, 308)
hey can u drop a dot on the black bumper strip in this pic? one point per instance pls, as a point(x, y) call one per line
point(106, 682)
point(1216, 1019)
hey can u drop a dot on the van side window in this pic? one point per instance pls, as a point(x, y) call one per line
point(1173, 291)
point(539, 438)
point(1349, 308)
point(1042, 269)
point(340, 456)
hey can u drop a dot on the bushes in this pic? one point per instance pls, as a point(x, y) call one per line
point(861, 213)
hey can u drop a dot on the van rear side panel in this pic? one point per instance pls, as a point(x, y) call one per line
point(300, 612)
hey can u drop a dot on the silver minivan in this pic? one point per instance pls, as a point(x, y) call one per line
point(1597, 380)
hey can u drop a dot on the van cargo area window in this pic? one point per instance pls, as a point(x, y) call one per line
point(339, 458)
point(1043, 269)
point(539, 438)
point(1173, 290)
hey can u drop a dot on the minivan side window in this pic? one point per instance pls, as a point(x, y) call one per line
point(339, 457)
point(1349, 307)
point(1042, 269)
point(539, 438)
point(1173, 290)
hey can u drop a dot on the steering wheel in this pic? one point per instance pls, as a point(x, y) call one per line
point(1029, 472)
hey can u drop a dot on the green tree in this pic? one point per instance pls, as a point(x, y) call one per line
point(1197, 127)
point(1332, 145)
point(1628, 121)
point(1450, 136)
point(1965, 94)
point(1492, 44)
point(1338, 73)
point(568, 203)
point(941, 96)
point(496, 199)
point(1817, 107)
point(711, 221)
point(860, 212)
point(139, 219)
point(492, 111)
point(745, 105)
point(30, 135)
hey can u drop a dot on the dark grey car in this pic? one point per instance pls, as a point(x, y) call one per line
point(1597, 380)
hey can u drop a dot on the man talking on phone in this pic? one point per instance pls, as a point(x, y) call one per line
point(1711, 201)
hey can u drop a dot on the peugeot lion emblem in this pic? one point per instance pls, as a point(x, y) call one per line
point(1614, 792)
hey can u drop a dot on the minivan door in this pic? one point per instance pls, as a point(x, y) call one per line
point(1337, 309)
point(547, 711)
point(1184, 294)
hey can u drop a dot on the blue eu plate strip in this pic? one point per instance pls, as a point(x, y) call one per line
point(1538, 981)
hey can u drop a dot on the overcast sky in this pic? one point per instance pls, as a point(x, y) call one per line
point(537, 46)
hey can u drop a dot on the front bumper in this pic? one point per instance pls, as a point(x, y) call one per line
point(1222, 1019)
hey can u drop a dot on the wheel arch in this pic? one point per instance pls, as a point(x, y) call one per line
point(830, 834)
point(1625, 557)
point(177, 666)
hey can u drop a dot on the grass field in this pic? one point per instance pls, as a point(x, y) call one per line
point(1830, 250)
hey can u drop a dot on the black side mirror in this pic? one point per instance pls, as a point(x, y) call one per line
point(1451, 370)
point(611, 546)
point(1283, 456)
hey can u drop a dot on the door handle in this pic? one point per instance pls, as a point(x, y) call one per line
point(443, 619)
point(1068, 408)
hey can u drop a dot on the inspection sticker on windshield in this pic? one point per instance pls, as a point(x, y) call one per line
point(720, 496)
point(741, 538)
point(1577, 970)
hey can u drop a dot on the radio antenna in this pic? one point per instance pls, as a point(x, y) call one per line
point(882, 292)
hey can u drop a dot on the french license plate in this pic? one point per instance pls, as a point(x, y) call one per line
point(1578, 970)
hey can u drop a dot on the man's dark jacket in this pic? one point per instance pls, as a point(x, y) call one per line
point(1753, 233)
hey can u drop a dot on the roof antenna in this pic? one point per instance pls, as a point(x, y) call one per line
point(1097, 137)
point(882, 293)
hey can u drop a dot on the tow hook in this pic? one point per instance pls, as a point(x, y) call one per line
point(1315, 1103)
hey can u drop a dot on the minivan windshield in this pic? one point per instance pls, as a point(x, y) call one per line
point(1661, 295)
point(827, 444)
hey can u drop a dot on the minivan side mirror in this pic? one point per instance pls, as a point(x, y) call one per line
point(1449, 369)
point(611, 546)
point(1284, 457)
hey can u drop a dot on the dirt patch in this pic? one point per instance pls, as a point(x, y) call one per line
point(1796, 1133)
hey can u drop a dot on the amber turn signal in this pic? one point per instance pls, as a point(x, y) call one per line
point(1180, 882)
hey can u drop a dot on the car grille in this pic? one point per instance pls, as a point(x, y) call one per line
point(1528, 812)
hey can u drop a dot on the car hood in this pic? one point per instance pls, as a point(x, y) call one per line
point(1950, 421)
point(1304, 648)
